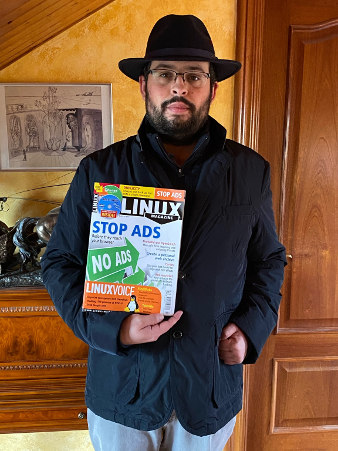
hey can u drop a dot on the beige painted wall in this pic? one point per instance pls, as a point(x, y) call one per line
point(89, 52)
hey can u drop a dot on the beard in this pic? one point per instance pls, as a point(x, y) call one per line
point(177, 130)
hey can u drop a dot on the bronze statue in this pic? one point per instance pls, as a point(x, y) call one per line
point(29, 235)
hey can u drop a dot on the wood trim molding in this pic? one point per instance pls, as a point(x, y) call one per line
point(249, 51)
point(26, 301)
point(28, 309)
point(42, 366)
point(24, 294)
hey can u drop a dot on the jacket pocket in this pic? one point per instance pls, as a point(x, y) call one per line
point(227, 379)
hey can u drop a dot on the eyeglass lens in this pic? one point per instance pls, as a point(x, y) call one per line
point(165, 77)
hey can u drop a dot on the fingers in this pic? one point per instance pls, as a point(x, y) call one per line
point(232, 355)
point(173, 319)
point(229, 330)
point(137, 329)
point(233, 345)
point(160, 328)
point(164, 326)
point(230, 358)
point(150, 320)
point(157, 319)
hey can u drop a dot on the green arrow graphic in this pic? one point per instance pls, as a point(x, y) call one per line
point(135, 279)
point(115, 277)
point(103, 263)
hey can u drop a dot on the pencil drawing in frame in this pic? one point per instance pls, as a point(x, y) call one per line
point(52, 126)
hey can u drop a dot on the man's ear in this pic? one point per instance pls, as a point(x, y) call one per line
point(213, 90)
point(142, 82)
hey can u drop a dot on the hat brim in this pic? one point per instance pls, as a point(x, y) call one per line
point(134, 67)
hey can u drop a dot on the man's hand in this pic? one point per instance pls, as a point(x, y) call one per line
point(233, 345)
point(136, 329)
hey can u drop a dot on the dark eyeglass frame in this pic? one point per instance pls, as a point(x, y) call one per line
point(206, 74)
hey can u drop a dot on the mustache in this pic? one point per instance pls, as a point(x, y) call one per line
point(178, 99)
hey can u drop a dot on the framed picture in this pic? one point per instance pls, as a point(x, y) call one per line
point(53, 126)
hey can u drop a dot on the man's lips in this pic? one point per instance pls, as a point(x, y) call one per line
point(178, 107)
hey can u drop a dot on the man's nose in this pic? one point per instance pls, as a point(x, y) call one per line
point(179, 87)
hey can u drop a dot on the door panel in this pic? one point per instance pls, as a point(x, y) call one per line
point(287, 107)
point(304, 392)
point(309, 221)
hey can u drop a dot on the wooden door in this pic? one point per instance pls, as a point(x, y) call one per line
point(287, 109)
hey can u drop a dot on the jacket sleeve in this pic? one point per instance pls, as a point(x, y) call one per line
point(257, 313)
point(63, 269)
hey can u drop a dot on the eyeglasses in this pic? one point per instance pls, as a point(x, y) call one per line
point(165, 77)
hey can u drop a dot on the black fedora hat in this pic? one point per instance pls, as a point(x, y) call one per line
point(179, 38)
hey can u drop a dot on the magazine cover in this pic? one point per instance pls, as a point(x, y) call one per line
point(133, 251)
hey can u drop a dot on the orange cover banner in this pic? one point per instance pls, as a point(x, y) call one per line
point(119, 297)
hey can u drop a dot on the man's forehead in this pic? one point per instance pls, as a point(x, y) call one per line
point(181, 65)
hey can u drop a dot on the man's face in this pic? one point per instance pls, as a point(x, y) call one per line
point(177, 110)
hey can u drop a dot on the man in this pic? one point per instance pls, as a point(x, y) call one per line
point(176, 383)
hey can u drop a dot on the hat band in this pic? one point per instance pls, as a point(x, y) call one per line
point(200, 53)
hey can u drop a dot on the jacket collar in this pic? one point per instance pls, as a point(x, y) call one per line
point(211, 140)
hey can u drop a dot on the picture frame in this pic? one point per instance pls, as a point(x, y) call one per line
point(53, 126)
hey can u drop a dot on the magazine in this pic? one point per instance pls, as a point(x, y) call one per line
point(133, 251)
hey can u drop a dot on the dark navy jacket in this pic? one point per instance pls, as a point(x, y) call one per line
point(231, 269)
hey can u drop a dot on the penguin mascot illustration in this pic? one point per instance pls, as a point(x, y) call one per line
point(132, 305)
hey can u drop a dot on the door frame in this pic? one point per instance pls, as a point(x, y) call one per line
point(246, 114)
point(249, 51)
